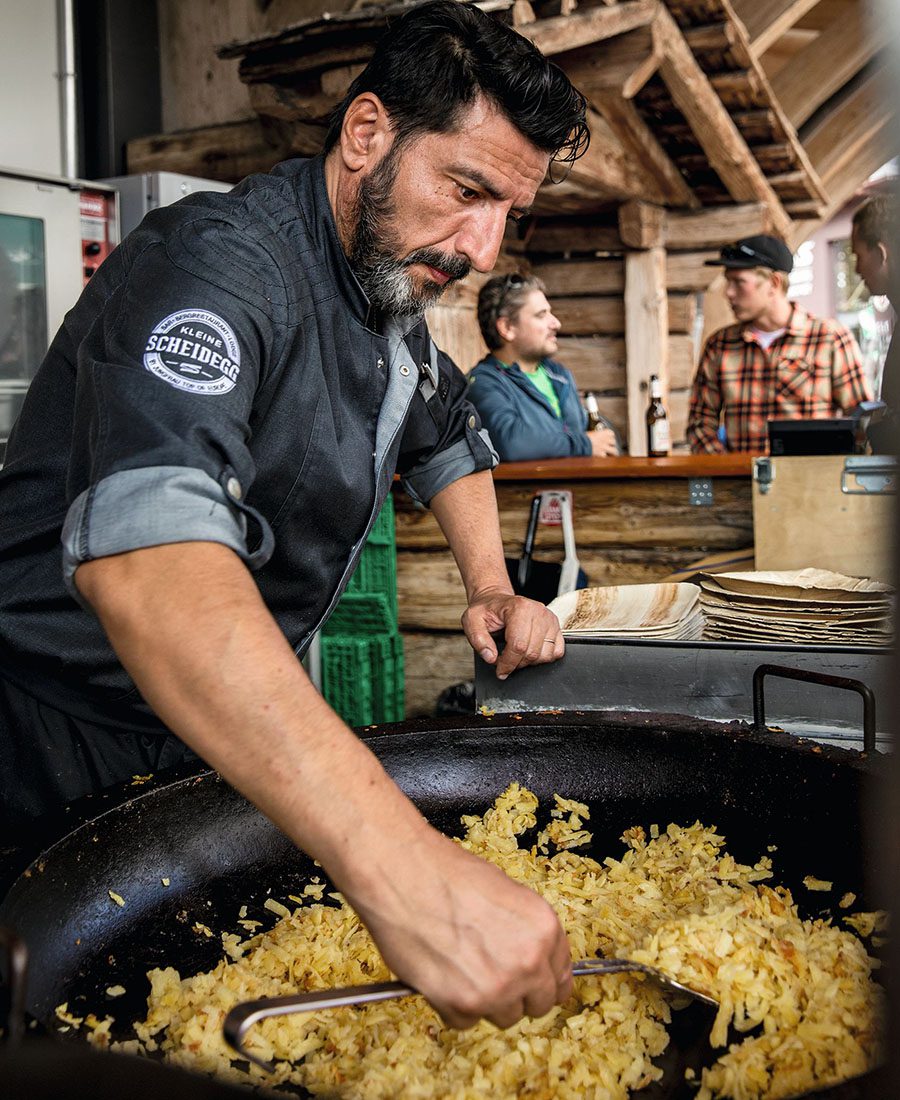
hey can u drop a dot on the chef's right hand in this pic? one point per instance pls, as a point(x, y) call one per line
point(473, 942)
point(603, 442)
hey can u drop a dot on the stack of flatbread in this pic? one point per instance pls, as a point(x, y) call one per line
point(667, 612)
point(802, 607)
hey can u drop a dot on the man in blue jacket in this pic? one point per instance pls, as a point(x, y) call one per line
point(527, 401)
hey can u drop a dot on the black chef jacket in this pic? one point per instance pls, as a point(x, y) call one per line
point(221, 378)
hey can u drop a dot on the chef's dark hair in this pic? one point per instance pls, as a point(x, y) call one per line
point(440, 56)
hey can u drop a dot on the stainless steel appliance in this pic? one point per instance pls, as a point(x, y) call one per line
point(141, 193)
point(54, 233)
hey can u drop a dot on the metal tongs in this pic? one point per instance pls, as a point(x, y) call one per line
point(244, 1015)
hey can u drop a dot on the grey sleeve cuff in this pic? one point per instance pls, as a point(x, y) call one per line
point(427, 479)
point(152, 506)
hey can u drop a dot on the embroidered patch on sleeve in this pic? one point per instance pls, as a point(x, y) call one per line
point(195, 351)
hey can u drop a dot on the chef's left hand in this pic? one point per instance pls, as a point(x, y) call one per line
point(533, 635)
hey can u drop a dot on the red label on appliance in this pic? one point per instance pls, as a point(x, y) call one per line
point(93, 205)
point(96, 211)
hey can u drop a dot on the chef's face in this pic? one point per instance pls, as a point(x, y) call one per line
point(430, 211)
point(871, 264)
point(750, 293)
point(531, 333)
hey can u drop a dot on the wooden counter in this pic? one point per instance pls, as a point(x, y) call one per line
point(636, 520)
point(609, 469)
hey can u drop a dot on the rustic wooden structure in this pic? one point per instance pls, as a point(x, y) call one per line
point(710, 119)
point(695, 107)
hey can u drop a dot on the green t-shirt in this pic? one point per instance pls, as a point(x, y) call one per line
point(542, 382)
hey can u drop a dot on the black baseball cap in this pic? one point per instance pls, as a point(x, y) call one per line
point(761, 251)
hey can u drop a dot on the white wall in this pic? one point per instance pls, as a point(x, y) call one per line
point(29, 92)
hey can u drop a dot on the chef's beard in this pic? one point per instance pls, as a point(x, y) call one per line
point(375, 249)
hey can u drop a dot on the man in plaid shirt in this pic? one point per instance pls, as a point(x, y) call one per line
point(776, 362)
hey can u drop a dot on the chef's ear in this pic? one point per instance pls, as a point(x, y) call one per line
point(366, 132)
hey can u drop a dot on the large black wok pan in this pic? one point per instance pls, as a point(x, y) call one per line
point(218, 852)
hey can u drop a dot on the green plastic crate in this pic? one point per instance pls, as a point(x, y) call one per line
point(369, 603)
point(383, 530)
point(362, 613)
point(362, 677)
point(376, 574)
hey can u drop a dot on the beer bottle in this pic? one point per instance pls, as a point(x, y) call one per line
point(659, 439)
point(593, 411)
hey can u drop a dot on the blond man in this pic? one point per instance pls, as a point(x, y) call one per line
point(776, 362)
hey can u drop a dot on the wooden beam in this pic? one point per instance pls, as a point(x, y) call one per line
point(642, 225)
point(591, 316)
point(825, 65)
point(783, 127)
point(767, 20)
point(837, 132)
point(227, 152)
point(778, 156)
point(646, 336)
point(570, 277)
point(285, 63)
point(682, 361)
point(783, 51)
point(597, 362)
point(288, 103)
point(640, 141)
point(553, 235)
point(612, 511)
point(803, 209)
point(789, 181)
point(741, 88)
point(581, 28)
point(728, 153)
point(688, 270)
point(713, 36)
point(717, 225)
point(682, 312)
point(623, 64)
point(846, 179)
point(756, 125)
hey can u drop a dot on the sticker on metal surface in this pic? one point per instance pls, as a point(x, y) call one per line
point(551, 507)
point(195, 351)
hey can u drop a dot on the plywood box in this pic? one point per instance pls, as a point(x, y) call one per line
point(828, 511)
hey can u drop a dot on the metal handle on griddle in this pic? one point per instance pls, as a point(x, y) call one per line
point(868, 696)
point(243, 1016)
point(17, 954)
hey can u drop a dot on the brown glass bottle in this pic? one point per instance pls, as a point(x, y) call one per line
point(593, 411)
point(659, 437)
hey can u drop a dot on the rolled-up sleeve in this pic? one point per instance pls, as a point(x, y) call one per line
point(164, 393)
point(151, 506)
point(426, 480)
point(444, 439)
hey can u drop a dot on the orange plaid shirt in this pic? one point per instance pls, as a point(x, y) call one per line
point(813, 370)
